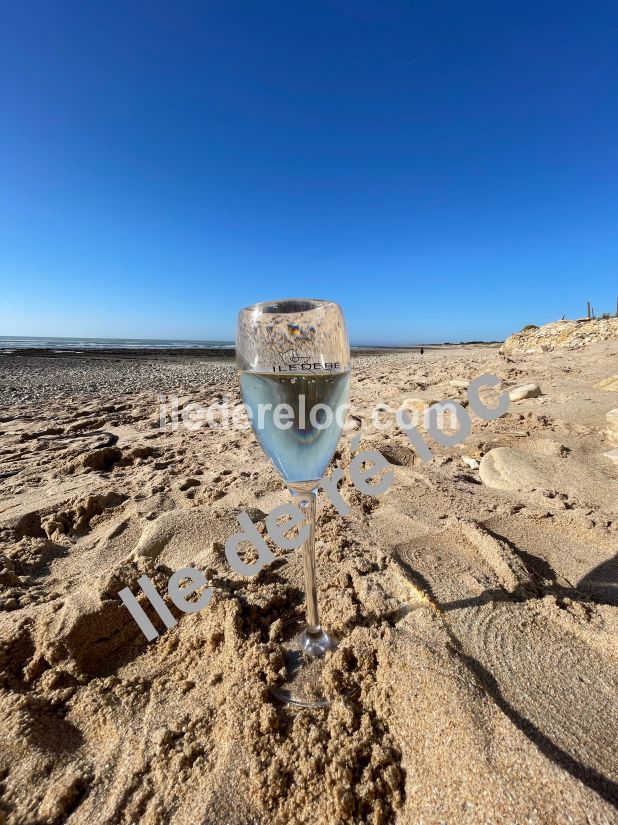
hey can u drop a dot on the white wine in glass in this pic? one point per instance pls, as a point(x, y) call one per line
point(294, 361)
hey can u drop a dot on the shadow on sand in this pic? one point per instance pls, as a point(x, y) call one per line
point(602, 580)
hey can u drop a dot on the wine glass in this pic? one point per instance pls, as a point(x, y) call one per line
point(294, 362)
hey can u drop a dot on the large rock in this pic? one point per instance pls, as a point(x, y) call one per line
point(525, 391)
point(509, 469)
point(612, 425)
point(505, 468)
point(561, 335)
point(609, 384)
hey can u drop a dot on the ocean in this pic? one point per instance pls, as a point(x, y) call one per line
point(13, 343)
point(10, 343)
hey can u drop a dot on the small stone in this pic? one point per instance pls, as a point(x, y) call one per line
point(612, 419)
point(419, 404)
point(398, 455)
point(612, 455)
point(471, 462)
point(525, 391)
point(255, 514)
point(612, 426)
point(459, 383)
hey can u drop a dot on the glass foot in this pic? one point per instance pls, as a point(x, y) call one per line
point(305, 655)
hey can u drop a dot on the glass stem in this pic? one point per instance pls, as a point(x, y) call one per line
point(308, 506)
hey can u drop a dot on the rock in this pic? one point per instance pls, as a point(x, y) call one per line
point(561, 335)
point(505, 468)
point(255, 514)
point(420, 404)
point(612, 426)
point(398, 455)
point(357, 421)
point(471, 462)
point(609, 384)
point(525, 391)
point(459, 383)
point(510, 469)
point(612, 455)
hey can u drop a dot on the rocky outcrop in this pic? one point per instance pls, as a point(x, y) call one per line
point(561, 335)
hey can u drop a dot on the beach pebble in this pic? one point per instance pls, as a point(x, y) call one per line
point(471, 462)
point(459, 383)
point(525, 391)
point(609, 384)
point(255, 514)
point(612, 426)
point(357, 421)
point(398, 455)
point(505, 468)
point(612, 420)
point(420, 404)
point(612, 455)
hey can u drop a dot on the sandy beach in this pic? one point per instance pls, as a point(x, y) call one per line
point(476, 601)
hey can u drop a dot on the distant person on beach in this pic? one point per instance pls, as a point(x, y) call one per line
point(422, 350)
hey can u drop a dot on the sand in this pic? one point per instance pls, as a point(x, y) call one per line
point(478, 664)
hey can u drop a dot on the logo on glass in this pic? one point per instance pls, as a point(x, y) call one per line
point(293, 361)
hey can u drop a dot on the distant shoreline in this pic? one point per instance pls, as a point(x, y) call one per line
point(173, 353)
point(48, 346)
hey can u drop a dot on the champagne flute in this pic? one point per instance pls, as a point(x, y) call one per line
point(294, 361)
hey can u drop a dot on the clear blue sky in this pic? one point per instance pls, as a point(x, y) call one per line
point(444, 170)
